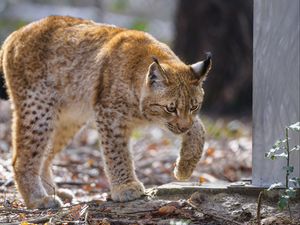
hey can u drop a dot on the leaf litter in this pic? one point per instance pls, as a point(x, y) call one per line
point(226, 157)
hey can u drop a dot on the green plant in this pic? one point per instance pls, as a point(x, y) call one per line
point(119, 6)
point(281, 149)
point(139, 24)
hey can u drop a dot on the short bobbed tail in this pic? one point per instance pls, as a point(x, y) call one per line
point(3, 92)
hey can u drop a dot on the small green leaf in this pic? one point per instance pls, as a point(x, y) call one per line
point(289, 169)
point(277, 144)
point(283, 141)
point(283, 202)
point(295, 181)
point(139, 24)
point(275, 149)
point(291, 192)
point(296, 148)
point(275, 185)
point(283, 154)
point(270, 155)
point(119, 5)
point(295, 126)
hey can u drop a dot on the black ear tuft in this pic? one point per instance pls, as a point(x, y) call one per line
point(208, 55)
point(207, 62)
point(202, 68)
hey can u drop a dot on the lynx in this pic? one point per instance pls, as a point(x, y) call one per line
point(62, 72)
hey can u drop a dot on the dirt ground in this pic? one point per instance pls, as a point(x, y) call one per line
point(180, 208)
point(227, 158)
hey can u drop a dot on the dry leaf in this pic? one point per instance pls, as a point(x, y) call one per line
point(75, 212)
point(210, 151)
point(105, 222)
point(167, 209)
point(202, 180)
point(91, 162)
point(107, 210)
point(88, 187)
point(22, 216)
point(165, 142)
point(24, 223)
point(152, 147)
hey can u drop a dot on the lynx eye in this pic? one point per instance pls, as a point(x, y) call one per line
point(195, 107)
point(171, 108)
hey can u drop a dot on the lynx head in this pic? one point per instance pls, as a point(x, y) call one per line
point(173, 93)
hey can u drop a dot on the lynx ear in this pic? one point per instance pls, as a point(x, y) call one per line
point(202, 68)
point(156, 74)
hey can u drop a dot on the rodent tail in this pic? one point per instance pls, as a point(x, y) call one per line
point(3, 93)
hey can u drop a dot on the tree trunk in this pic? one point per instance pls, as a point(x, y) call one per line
point(225, 29)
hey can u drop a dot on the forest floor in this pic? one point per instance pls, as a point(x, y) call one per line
point(227, 158)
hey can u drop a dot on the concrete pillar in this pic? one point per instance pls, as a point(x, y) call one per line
point(276, 84)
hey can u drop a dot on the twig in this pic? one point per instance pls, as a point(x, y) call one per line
point(214, 215)
point(60, 212)
point(13, 210)
point(86, 216)
point(136, 212)
point(7, 183)
point(287, 166)
point(75, 183)
point(259, 200)
point(289, 209)
point(10, 182)
point(43, 219)
point(288, 158)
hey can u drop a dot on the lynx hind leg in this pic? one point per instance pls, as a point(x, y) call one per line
point(63, 132)
point(33, 120)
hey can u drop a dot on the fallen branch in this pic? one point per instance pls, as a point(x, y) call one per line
point(214, 215)
point(7, 183)
point(10, 182)
point(14, 210)
point(43, 219)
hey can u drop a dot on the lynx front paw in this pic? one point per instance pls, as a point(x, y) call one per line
point(183, 171)
point(127, 192)
point(46, 203)
point(65, 194)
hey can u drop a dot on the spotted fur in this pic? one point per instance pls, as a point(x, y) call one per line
point(62, 72)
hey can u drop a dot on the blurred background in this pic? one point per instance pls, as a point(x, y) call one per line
point(191, 28)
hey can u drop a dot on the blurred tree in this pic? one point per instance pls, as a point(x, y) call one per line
point(225, 29)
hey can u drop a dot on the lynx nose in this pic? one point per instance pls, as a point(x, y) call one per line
point(182, 129)
point(183, 126)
